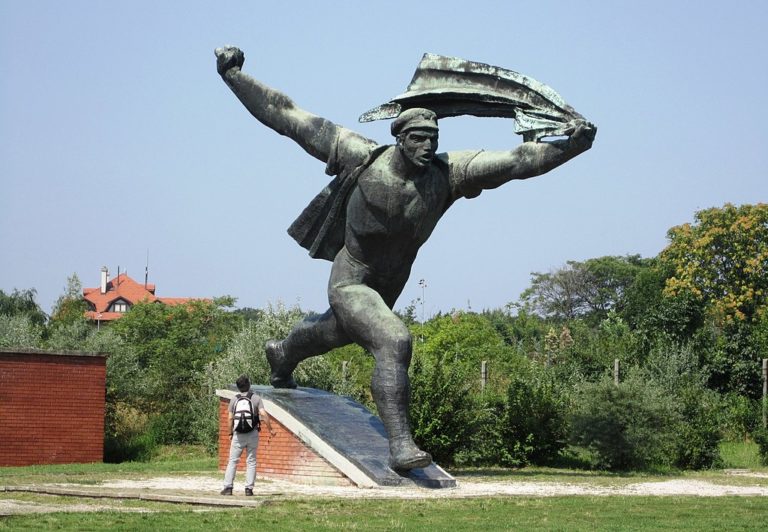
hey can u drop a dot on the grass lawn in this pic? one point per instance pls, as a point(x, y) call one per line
point(556, 513)
point(489, 513)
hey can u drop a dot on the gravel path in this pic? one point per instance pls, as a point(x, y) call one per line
point(208, 486)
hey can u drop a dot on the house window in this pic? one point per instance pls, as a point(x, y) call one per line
point(119, 306)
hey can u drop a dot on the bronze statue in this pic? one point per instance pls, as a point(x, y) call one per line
point(371, 220)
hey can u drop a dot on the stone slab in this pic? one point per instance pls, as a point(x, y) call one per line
point(353, 432)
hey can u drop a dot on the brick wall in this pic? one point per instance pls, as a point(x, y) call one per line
point(282, 456)
point(51, 407)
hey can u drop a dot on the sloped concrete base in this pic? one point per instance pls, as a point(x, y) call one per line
point(344, 434)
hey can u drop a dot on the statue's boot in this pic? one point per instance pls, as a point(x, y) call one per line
point(405, 455)
point(282, 368)
point(392, 398)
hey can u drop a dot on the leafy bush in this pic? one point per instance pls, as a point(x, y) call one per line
point(761, 439)
point(443, 413)
point(593, 349)
point(629, 426)
point(71, 336)
point(698, 436)
point(130, 436)
point(19, 332)
point(486, 445)
point(737, 416)
point(534, 421)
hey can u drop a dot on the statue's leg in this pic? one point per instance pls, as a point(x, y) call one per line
point(312, 336)
point(368, 321)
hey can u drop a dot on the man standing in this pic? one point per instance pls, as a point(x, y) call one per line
point(244, 414)
point(370, 222)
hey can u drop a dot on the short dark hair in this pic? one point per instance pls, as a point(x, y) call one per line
point(243, 383)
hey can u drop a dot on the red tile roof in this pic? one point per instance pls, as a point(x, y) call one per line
point(124, 288)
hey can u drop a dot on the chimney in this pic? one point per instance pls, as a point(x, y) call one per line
point(104, 279)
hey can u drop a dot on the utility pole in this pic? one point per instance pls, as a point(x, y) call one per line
point(423, 285)
point(765, 393)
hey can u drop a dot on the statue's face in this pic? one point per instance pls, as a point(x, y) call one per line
point(419, 146)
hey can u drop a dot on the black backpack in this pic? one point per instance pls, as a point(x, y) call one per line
point(245, 417)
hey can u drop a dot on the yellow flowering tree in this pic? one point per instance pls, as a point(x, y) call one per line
point(722, 260)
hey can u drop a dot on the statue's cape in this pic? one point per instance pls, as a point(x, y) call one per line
point(450, 86)
point(320, 227)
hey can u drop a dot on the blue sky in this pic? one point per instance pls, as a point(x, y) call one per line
point(118, 138)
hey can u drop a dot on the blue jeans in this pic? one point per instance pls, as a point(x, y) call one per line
point(248, 441)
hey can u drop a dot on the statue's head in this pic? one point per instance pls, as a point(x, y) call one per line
point(417, 135)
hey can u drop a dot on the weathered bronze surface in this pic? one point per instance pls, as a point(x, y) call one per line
point(385, 201)
point(450, 86)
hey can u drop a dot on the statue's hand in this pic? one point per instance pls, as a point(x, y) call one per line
point(582, 134)
point(227, 58)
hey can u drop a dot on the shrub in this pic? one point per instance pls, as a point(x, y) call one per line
point(698, 436)
point(761, 439)
point(675, 366)
point(19, 332)
point(486, 445)
point(130, 436)
point(534, 421)
point(629, 426)
point(442, 410)
point(737, 416)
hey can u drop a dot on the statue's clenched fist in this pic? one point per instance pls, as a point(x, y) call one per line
point(227, 58)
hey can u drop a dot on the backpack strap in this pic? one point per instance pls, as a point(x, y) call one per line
point(254, 413)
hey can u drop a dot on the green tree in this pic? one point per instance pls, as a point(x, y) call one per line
point(244, 353)
point(722, 260)
point(70, 307)
point(21, 320)
point(582, 350)
point(461, 336)
point(68, 328)
point(719, 265)
point(20, 331)
point(589, 289)
point(22, 303)
point(558, 294)
point(518, 327)
point(173, 345)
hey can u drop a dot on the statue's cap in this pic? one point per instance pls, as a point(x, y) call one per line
point(414, 118)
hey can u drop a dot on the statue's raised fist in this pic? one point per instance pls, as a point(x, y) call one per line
point(228, 57)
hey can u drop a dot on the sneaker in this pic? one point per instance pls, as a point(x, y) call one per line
point(248, 492)
point(226, 491)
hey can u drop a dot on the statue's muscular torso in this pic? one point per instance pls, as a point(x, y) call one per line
point(389, 218)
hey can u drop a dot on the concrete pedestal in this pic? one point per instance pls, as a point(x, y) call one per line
point(336, 438)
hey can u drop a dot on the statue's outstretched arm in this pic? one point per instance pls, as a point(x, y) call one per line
point(273, 108)
point(493, 168)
